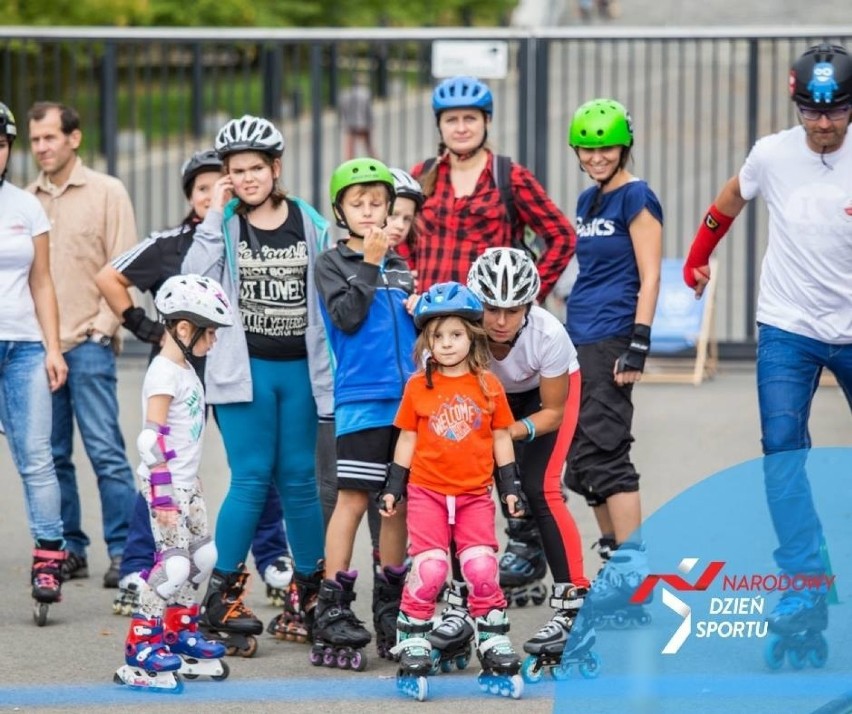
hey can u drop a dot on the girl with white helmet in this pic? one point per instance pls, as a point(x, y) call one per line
point(31, 367)
point(271, 377)
point(163, 636)
point(400, 226)
point(536, 362)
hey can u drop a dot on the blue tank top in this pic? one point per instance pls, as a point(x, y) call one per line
point(602, 303)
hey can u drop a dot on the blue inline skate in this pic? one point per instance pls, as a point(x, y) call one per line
point(199, 656)
point(149, 664)
point(609, 599)
point(797, 623)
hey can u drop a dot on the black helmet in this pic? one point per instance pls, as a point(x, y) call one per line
point(822, 77)
point(7, 123)
point(198, 163)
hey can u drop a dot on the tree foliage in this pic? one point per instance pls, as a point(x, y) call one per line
point(258, 13)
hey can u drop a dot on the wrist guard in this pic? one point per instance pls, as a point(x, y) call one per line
point(710, 232)
point(162, 491)
point(508, 479)
point(395, 485)
point(633, 360)
point(135, 320)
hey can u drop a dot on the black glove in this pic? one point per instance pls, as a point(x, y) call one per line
point(633, 360)
point(395, 485)
point(135, 320)
point(508, 480)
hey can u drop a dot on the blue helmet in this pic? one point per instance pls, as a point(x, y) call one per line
point(460, 93)
point(444, 300)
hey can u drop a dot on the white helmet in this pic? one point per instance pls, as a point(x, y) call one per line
point(249, 133)
point(504, 277)
point(406, 186)
point(195, 298)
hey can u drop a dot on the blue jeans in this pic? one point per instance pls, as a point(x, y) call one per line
point(25, 413)
point(269, 542)
point(89, 396)
point(271, 440)
point(788, 371)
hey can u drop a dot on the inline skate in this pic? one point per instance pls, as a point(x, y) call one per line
point(278, 575)
point(414, 654)
point(498, 659)
point(609, 598)
point(226, 617)
point(46, 580)
point(523, 565)
point(452, 631)
point(127, 598)
point(338, 636)
point(148, 662)
point(796, 624)
point(564, 640)
point(198, 655)
point(387, 594)
point(295, 622)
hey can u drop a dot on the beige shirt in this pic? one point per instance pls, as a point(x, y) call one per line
point(91, 222)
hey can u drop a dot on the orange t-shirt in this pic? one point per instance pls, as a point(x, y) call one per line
point(455, 445)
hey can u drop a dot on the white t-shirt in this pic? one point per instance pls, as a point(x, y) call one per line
point(806, 279)
point(186, 416)
point(21, 219)
point(543, 349)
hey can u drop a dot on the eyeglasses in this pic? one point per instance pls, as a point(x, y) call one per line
point(835, 114)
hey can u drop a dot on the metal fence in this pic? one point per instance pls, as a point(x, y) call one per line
point(699, 100)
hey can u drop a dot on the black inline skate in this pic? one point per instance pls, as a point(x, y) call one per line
point(609, 599)
point(338, 636)
point(414, 654)
point(46, 579)
point(296, 621)
point(453, 631)
point(523, 565)
point(796, 624)
point(387, 594)
point(226, 617)
point(564, 640)
point(498, 659)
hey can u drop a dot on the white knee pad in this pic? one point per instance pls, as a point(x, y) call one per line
point(203, 554)
point(480, 569)
point(428, 575)
point(170, 573)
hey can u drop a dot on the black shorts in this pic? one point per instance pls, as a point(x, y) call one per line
point(363, 458)
point(599, 464)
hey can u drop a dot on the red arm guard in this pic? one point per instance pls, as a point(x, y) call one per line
point(710, 232)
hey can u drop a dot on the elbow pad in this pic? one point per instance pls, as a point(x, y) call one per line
point(152, 446)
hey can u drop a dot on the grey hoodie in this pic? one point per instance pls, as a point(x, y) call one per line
point(213, 253)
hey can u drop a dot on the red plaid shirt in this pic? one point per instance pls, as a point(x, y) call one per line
point(452, 232)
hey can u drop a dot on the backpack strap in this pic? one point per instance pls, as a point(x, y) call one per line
point(501, 168)
point(427, 165)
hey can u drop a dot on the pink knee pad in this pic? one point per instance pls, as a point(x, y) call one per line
point(480, 570)
point(428, 575)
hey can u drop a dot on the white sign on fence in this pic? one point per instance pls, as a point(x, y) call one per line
point(479, 58)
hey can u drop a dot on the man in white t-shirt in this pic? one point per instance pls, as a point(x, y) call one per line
point(804, 310)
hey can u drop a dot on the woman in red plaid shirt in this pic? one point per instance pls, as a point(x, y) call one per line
point(463, 213)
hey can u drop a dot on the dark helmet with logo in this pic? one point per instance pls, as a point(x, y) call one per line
point(822, 77)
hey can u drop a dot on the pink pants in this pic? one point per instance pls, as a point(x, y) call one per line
point(434, 520)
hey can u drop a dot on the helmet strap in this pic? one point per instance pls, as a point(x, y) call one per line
point(186, 349)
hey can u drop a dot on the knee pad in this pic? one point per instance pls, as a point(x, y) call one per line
point(428, 575)
point(203, 556)
point(480, 569)
point(170, 573)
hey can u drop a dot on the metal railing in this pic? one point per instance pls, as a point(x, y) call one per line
point(699, 99)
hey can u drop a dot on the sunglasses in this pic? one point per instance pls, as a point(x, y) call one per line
point(812, 114)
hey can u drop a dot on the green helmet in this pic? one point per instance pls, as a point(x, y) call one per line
point(355, 171)
point(600, 123)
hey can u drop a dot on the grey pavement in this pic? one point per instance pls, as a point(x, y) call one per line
point(683, 433)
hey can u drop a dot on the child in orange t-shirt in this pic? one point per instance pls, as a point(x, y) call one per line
point(453, 421)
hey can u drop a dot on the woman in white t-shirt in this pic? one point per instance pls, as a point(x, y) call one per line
point(31, 366)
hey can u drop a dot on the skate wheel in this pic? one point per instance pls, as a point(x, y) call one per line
point(250, 650)
point(328, 658)
point(40, 610)
point(226, 670)
point(796, 658)
point(462, 662)
point(818, 656)
point(645, 619)
point(620, 621)
point(521, 601)
point(773, 654)
point(342, 660)
point(530, 672)
point(538, 599)
point(590, 667)
point(516, 686)
point(315, 658)
point(190, 676)
point(560, 672)
point(358, 661)
point(446, 666)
